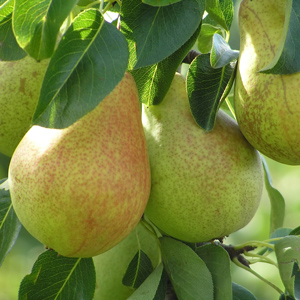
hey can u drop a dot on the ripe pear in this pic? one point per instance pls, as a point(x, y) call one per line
point(267, 106)
point(82, 189)
point(20, 84)
point(204, 185)
point(112, 265)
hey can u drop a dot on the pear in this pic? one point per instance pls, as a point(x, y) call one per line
point(267, 106)
point(20, 83)
point(82, 189)
point(111, 266)
point(204, 185)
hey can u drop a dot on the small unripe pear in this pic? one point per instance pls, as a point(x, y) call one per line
point(112, 265)
point(267, 106)
point(204, 185)
point(20, 84)
point(82, 189)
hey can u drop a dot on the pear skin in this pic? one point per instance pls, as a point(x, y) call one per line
point(82, 189)
point(20, 84)
point(204, 185)
point(267, 106)
point(111, 266)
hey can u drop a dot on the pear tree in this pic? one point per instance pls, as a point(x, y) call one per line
point(136, 138)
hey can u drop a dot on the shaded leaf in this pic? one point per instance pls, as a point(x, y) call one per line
point(188, 273)
point(154, 33)
point(241, 293)
point(37, 23)
point(287, 252)
point(207, 87)
point(276, 200)
point(287, 57)
point(9, 223)
point(9, 48)
point(160, 2)
point(154, 81)
point(153, 288)
point(55, 277)
point(218, 261)
point(138, 270)
point(81, 74)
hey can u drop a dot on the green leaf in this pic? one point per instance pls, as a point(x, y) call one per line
point(37, 23)
point(89, 62)
point(241, 293)
point(287, 252)
point(9, 48)
point(138, 270)
point(188, 273)
point(221, 11)
point(154, 33)
point(287, 57)
point(276, 200)
point(207, 87)
point(57, 277)
point(205, 38)
point(160, 2)
point(9, 223)
point(154, 81)
point(217, 261)
point(295, 231)
point(221, 53)
point(153, 288)
point(296, 273)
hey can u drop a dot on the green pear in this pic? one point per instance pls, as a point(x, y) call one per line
point(20, 83)
point(267, 106)
point(204, 185)
point(82, 189)
point(112, 265)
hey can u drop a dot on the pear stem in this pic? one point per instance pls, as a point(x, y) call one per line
point(235, 260)
point(254, 244)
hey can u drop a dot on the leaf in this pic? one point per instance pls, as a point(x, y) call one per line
point(138, 270)
point(221, 11)
point(57, 277)
point(10, 225)
point(154, 33)
point(154, 81)
point(81, 74)
point(287, 252)
point(188, 273)
point(9, 48)
point(160, 2)
point(218, 263)
point(207, 88)
point(221, 53)
point(153, 288)
point(287, 57)
point(37, 23)
point(205, 38)
point(241, 293)
point(276, 200)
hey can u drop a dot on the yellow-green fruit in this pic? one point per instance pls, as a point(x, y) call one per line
point(204, 185)
point(112, 265)
point(267, 106)
point(20, 83)
point(81, 190)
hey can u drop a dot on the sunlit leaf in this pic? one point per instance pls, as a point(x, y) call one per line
point(89, 62)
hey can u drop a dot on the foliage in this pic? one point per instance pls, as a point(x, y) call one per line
point(88, 57)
